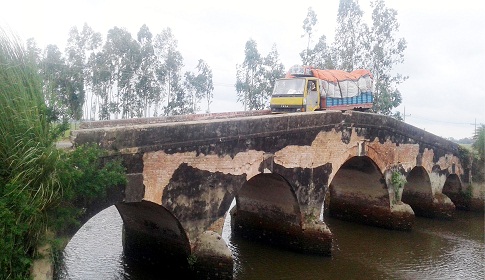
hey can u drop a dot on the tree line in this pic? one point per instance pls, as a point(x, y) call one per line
point(126, 77)
point(356, 45)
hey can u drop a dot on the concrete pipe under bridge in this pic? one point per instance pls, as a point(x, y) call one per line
point(358, 193)
point(267, 210)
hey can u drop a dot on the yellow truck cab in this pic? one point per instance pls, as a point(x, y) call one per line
point(300, 94)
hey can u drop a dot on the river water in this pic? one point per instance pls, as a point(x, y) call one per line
point(434, 249)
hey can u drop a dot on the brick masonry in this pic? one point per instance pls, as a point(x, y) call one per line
point(195, 167)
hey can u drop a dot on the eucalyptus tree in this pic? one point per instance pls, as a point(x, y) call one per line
point(248, 77)
point(102, 85)
point(350, 36)
point(168, 73)
point(479, 143)
point(309, 28)
point(80, 46)
point(385, 52)
point(200, 85)
point(320, 56)
point(256, 76)
point(273, 69)
point(53, 72)
point(123, 56)
point(90, 45)
point(179, 103)
point(146, 84)
point(33, 51)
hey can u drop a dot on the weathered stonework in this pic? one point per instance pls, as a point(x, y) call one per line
point(195, 168)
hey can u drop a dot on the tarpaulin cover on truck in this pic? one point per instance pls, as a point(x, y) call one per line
point(340, 84)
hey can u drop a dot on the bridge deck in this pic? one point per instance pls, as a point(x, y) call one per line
point(169, 119)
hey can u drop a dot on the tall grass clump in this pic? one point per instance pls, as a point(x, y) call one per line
point(42, 189)
point(28, 157)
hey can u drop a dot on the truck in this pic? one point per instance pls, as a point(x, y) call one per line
point(305, 89)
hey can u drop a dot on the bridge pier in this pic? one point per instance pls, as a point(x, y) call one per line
point(267, 210)
point(211, 258)
point(436, 206)
point(399, 217)
point(313, 237)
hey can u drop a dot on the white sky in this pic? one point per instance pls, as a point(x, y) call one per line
point(444, 94)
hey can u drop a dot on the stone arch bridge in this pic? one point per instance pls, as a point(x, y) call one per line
point(284, 172)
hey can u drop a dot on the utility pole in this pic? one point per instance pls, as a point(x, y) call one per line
point(475, 132)
point(405, 114)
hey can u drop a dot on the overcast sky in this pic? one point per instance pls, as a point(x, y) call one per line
point(445, 92)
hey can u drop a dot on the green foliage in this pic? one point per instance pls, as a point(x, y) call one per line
point(36, 179)
point(28, 159)
point(465, 156)
point(85, 177)
point(398, 181)
point(479, 144)
point(200, 85)
point(351, 37)
point(385, 52)
point(124, 77)
point(256, 77)
point(308, 26)
point(18, 225)
point(358, 45)
point(192, 260)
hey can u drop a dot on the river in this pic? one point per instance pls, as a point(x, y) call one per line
point(433, 249)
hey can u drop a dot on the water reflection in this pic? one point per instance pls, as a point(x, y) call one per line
point(434, 249)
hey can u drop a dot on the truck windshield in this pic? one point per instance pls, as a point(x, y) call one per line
point(289, 87)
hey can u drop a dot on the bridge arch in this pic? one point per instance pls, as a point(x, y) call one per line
point(358, 193)
point(357, 182)
point(453, 188)
point(153, 235)
point(266, 202)
point(418, 193)
point(267, 209)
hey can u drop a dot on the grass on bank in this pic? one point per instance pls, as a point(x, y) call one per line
point(42, 188)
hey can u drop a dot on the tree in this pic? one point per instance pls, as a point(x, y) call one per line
point(200, 85)
point(308, 26)
point(146, 85)
point(169, 72)
point(33, 51)
point(90, 45)
point(102, 84)
point(320, 56)
point(479, 144)
point(256, 77)
point(386, 52)
point(247, 84)
point(350, 36)
point(53, 72)
point(123, 54)
point(273, 69)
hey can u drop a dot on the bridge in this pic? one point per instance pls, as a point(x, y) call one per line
point(284, 171)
